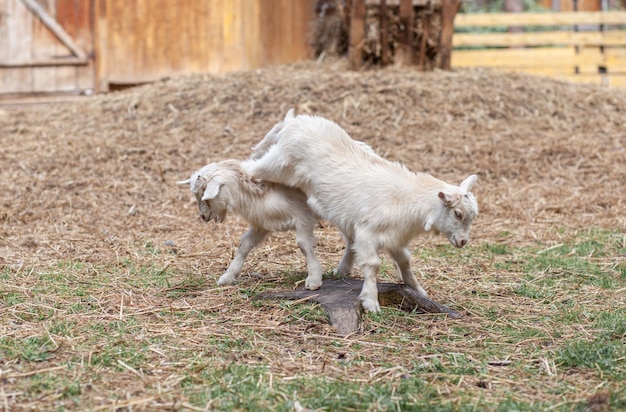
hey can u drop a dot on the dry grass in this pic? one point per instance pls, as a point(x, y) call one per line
point(107, 274)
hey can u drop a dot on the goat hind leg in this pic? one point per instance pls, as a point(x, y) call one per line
point(306, 243)
point(347, 260)
point(402, 260)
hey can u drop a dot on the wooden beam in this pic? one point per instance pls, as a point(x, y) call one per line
point(101, 61)
point(540, 19)
point(45, 63)
point(528, 58)
point(449, 9)
point(384, 35)
point(55, 28)
point(357, 33)
point(615, 59)
point(404, 54)
point(546, 38)
point(425, 28)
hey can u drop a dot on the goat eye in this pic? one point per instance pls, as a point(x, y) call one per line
point(458, 214)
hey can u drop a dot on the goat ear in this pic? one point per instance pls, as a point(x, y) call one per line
point(446, 198)
point(184, 182)
point(212, 189)
point(467, 184)
point(290, 114)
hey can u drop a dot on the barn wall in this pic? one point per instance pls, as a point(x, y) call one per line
point(76, 18)
point(136, 41)
point(32, 57)
point(144, 40)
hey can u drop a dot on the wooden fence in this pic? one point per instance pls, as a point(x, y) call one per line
point(574, 46)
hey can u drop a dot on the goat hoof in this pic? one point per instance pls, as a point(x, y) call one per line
point(370, 305)
point(422, 292)
point(313, 284)
point(225, 280)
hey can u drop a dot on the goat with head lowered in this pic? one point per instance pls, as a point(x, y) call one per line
point(222, 187)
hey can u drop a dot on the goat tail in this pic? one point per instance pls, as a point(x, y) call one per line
point(290, 114)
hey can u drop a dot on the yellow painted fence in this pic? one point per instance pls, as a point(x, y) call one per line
point(574, 46)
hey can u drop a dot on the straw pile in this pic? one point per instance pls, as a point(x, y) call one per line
point(85, 181)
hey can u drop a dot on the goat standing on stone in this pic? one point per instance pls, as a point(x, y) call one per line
point(376, 204)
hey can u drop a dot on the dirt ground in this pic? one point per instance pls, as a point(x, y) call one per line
point(95, 181)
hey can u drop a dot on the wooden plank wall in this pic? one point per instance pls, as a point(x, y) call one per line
point(143, 40)
point(574, 46)
point(33, 59)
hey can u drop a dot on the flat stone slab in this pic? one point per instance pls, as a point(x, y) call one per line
point(340, 299)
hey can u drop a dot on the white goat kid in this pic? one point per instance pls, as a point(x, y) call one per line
point(377, 204)
point(221, 187)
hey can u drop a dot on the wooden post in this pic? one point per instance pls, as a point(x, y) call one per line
point(384, 35)
point(449, 9)
point(405, 42)
point(425, 28)
point(357, 33)
point(101, 61)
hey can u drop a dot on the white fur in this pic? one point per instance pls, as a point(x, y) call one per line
point(377, 205)
point(221, 187)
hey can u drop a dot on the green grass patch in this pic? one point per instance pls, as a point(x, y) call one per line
point(544, 324)
point(242, 387)
point(30, 349)
point(605, 350)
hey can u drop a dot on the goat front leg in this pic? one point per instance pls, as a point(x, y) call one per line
point(306, 242)
point(249, 240)
point(402, 260)
point(369, 262)
point(270, 166)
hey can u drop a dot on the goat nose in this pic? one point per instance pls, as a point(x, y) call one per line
point(463, 242)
